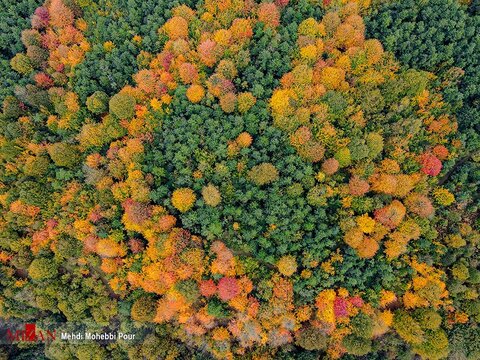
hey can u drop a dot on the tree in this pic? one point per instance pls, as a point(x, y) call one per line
point(330, 166)
point(391, 215)
point(269, 14)
point(245, 101)
point(188, 73)
point(287, 265)
point(228, 102)
point(207, 51)
point(264, 173)
point(183, 199)
point(428, 318)
point(208, 288)
point(435, 345)
point(419, 204)
point(211, 195)
point(244, 140)
point(356, 345)
point(60, 15)
point(311, 338)
point(176, 27)
point(22, 64)
point(195, 93)
point(228, 288)
point(97, 102)
point(144, 309)
point(357, 186)
point(431, 165)
point(63, 154)
point(42, 268)
point(122, 106)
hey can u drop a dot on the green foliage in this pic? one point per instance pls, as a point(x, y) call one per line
point(434, 346)
point(37, 167)
point(217, 309)
point(32, 192)
point(263, 174)
point(311, 339)
point(357, 345)
point(407, 327)
point(144, 309)
point(317, 196)
point(97, 102)
point(464, 341)
point(343, 157)
point(189, 289)
point(428, 318)
point(362, 326)
point(90, 351)
point(22, 64)
point(68, 248)
point(15, 16)
point(42, 268)
point(64, 155)
point(157, 347)
point(444, 38)
point(122, 106)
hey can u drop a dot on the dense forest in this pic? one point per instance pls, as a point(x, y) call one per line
point(241, 179)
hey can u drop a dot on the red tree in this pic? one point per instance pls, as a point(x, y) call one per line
point(430, 164)
point(228, 288)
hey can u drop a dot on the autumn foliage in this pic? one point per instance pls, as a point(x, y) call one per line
point(242, 203)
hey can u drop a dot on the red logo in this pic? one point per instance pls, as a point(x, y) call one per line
point(30, 334)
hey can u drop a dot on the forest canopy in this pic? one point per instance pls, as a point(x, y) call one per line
point(288, 179)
